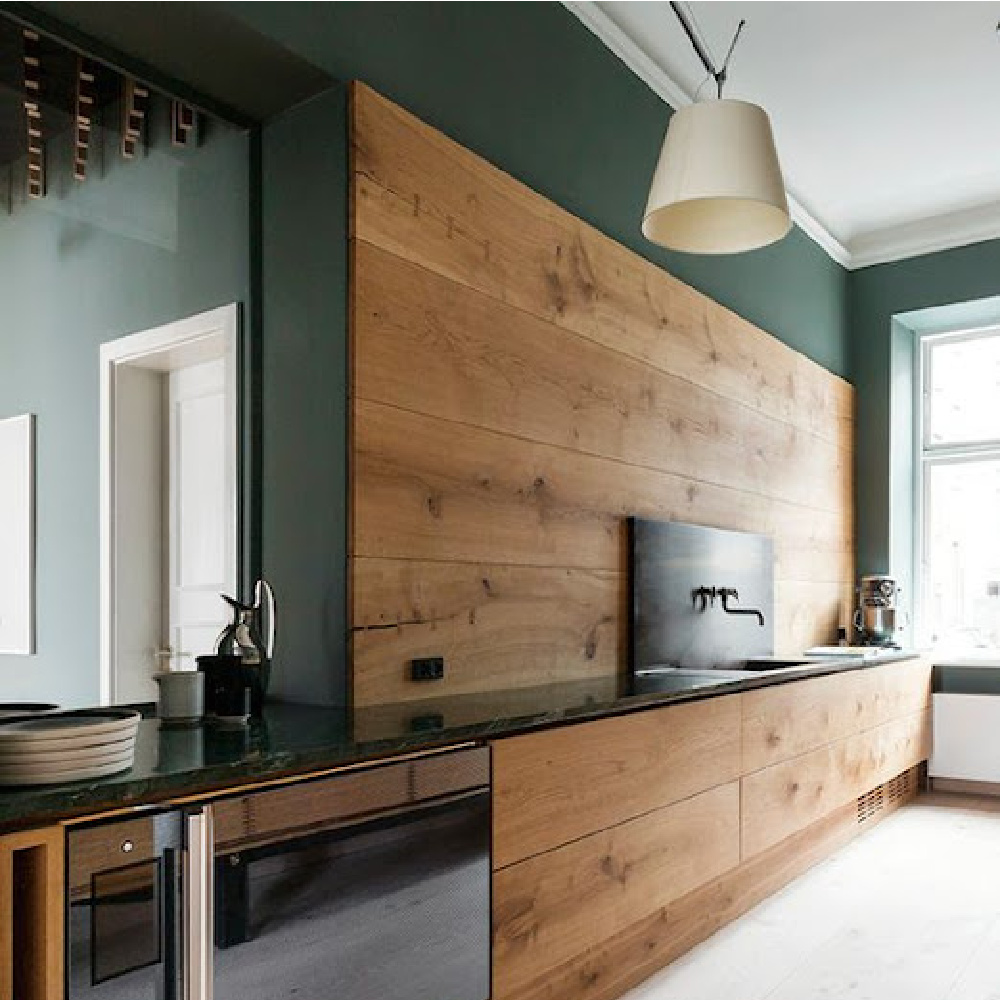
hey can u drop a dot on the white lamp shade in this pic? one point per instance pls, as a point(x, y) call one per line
point(718, 185)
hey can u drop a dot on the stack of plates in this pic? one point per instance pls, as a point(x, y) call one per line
point(42, 749)
point(9, 708)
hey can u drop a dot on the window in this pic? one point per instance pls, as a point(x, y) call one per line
point(960, 490)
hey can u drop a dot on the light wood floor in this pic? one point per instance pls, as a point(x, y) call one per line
point(909, 911)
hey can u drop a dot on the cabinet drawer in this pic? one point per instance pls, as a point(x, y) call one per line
point(781, 800)
point(291, 810)
point(554, 787)
point(116, 845)
point(788, 720)
point(272, 815)
point(552, 908)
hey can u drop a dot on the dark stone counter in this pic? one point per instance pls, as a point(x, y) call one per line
point(171, 763)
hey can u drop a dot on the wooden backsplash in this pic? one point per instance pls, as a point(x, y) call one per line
point(520, 384)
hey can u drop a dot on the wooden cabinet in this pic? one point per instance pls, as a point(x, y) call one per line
point(554, 787)
point(621, 843)
point(785, 721)
point(555, 906)
point(31, 914)
point(781, 800)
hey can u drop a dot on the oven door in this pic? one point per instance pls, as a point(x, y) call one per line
point(125, 920)
point(368, 886)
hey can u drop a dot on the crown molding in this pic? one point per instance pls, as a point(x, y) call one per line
point(911, 239)
point(914, 239)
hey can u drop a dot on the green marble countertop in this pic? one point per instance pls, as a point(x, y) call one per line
point(173, 762)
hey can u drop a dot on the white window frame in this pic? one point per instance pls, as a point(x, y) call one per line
point(928, 455)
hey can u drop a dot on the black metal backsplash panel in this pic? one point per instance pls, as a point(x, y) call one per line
point(668, 562)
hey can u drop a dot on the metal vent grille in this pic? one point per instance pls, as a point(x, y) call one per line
point(900, 788)
point(871, 803)
point(890, 793)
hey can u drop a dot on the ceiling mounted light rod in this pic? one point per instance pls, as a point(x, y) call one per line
point(718, 75)
point(717, 187)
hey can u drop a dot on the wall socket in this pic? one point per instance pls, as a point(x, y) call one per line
point(427, 668)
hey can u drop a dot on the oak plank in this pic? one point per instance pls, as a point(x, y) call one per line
point(784, 798)
point(430, 345)
point(789, 720)
point(422, 196)
point(554, 906)
point(554, 787)
point(496, 626)
point(424, 488)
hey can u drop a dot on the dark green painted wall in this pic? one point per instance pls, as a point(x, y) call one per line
point(877, 294)
point(304, 393)
point(139, 244)
point(531, 89)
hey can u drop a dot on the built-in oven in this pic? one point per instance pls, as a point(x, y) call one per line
point(367, 885)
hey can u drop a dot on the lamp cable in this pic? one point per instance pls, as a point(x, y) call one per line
point(720, 74)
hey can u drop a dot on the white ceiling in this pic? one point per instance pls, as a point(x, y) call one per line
point(886, 115)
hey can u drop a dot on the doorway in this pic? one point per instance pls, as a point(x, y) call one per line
point(169, 524)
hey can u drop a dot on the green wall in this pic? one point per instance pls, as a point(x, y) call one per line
point(889, 305)
point(304, 393)
point(140, 243)
point(532, 90)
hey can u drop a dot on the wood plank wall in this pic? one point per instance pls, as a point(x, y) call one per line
point(520, 384)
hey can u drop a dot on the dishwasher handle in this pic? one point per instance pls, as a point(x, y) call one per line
point(199, 973)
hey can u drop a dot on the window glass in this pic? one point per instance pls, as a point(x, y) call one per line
point(964, 391)
point(962, 554)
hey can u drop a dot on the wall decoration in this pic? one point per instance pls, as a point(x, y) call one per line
point(135, 104)
point(183, 123)
point(17, 534)
point(86, 96)
point(33, 114)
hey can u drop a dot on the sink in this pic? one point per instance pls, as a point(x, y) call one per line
point(772, 663)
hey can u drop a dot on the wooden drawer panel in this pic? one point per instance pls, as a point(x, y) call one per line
point(99, 848)
point(783, 722)
point(791, 719)
point(292, 809)
point(902, 689)
point(449, 772)
point(553, 787)
point(552, 907)
point(781, 800)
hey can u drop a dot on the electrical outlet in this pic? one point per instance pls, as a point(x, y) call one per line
point(427, 668)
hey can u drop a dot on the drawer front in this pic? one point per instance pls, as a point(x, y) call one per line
point(554, 787)
point(781, 800)
point(782, 722)
point(552, 908)
point(291, 810)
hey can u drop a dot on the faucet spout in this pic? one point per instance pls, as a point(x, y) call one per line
point(727, 593)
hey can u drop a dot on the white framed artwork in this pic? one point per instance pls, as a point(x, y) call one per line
point(17, 534)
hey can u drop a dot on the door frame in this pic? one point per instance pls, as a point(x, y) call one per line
point(130, 349)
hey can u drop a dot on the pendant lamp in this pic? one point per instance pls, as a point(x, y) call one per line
point(717, 187)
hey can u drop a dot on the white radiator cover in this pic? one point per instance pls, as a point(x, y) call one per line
point(966, 737)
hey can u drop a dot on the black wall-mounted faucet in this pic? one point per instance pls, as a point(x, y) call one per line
point(707, 596)
point(730, 592)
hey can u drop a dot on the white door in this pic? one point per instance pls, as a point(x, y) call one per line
point(201, 557)
point(168, 496)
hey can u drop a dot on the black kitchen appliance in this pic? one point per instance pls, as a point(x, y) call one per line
point(372, 884)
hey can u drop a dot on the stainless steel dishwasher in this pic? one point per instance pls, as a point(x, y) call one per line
point(371, 884)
